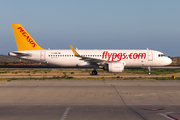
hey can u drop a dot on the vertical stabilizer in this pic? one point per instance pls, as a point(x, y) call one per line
point(23, 40)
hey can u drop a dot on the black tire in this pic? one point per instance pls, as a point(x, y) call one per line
point(94, 72)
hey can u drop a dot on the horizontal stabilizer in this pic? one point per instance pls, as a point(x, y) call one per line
point(19, 54)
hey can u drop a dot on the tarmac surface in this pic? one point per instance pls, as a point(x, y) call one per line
point(90, 100)
point(87, 76)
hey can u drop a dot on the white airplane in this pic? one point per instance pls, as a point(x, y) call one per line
point(110, 60)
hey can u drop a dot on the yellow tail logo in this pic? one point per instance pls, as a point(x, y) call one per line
point(23, 40)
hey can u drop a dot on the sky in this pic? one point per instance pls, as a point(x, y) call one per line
point(94, 24)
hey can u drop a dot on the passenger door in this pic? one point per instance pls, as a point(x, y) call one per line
point(43, 56)
point(150, 56)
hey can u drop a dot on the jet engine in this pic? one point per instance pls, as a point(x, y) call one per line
point(115, 67)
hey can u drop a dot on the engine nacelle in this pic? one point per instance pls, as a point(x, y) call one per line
point(115, 67)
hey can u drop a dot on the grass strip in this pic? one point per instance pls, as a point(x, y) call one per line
point(153, 71)
point(85, 71)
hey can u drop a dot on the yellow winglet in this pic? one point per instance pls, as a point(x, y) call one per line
point(74, 51)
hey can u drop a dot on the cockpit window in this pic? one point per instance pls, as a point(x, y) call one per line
point(161, 55)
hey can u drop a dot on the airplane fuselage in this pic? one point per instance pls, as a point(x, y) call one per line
point(66, 58)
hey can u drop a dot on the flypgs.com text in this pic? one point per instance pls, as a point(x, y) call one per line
point(28, 38)
point(119, 56)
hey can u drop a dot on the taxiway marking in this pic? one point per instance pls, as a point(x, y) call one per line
point(65, 113)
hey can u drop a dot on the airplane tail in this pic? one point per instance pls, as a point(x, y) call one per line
point(23, 40)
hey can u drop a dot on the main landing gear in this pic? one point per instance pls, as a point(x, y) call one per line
point(149, 71)
point(94, 72)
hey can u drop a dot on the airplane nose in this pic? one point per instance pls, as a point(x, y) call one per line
point(169, 61)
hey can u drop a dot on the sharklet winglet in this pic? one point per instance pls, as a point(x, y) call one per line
point(74, 51)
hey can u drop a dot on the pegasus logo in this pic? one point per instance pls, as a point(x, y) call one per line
point(28, 38)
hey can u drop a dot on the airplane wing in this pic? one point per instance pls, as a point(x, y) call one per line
point(89, 59)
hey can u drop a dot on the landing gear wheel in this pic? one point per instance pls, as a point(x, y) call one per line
point(149, 71)
point(94, 72)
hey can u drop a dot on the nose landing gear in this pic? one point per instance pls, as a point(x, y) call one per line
point(149, 71)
